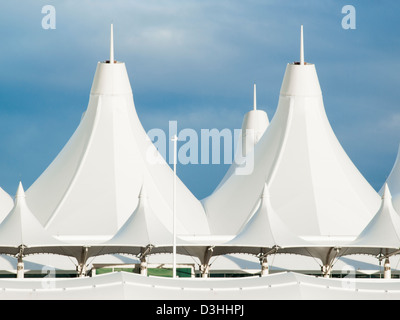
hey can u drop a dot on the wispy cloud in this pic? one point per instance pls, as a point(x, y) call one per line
point(195, 62)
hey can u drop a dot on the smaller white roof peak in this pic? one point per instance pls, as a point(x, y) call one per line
point(384, 229)
point(386, 192)
point(143, 227)
point(393, 182)
point(265, 228)
point(19, 199)
point(20, 192)
point(21, 227)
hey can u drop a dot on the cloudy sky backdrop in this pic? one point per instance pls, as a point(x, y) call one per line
point(195, 62)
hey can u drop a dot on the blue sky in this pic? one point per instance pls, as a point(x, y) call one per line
point(196, 62)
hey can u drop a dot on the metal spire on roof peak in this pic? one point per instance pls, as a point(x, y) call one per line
point(112, 44)
point(301, 46)
point(255, 98)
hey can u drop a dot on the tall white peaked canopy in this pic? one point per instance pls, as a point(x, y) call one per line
point(6, 204)
point(393, 182)
point(90, 189)
point(315, 188)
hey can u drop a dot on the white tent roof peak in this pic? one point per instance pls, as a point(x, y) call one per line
point(393, 182)
point(20, 226)
point(383, 231)
point(142, 227)
point(111, 79)
point(96, 178)
point(314, 185)
point(386, 192)
point(300, 81)
point(265, 228)
point(255, 123)
point(20, 201)
point(20, 192)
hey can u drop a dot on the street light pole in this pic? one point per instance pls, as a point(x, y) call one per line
point(175, 140)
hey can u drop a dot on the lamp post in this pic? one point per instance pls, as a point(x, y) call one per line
point(175, 140)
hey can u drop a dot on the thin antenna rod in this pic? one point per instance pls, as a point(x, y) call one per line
point(301, 47)
point(255, 98)
point(112, 44)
